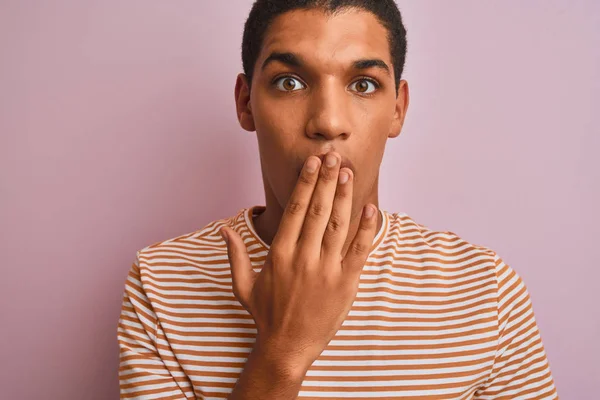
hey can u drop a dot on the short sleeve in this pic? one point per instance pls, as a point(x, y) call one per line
point(143, 374)
point(521, 370)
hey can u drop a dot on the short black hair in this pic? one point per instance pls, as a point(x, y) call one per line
point(263, 13)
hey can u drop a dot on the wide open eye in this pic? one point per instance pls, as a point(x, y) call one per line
point(364, 86)
point(288, 84)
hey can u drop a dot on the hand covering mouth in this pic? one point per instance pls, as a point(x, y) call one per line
point(346, 163)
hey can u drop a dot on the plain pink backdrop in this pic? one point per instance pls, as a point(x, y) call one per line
point(118, 130)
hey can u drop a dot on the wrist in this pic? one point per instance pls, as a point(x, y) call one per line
point(279, 362)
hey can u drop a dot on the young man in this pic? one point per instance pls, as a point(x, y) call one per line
point(320, 294)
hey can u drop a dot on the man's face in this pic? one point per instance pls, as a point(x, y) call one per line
point(323, 83)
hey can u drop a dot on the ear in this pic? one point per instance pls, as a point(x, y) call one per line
point(242, 103)
point(402, 101)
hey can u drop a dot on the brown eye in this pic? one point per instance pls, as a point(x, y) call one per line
point(288, 84)
point(364, 86)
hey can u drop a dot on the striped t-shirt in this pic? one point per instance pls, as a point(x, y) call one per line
point(435, 317)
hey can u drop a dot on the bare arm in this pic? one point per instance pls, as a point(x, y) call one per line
point(267, 377)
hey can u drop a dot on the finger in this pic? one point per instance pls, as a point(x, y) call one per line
point(242, 274)
point(319, 210)
point(339, 220)
point(359, 249)
point(293, 216)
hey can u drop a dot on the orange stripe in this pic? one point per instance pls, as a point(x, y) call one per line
point(409, 252)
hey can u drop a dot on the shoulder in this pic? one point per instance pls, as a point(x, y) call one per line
point(193, 249)
point(442, 248)
point(452, 250)
point(449, 256)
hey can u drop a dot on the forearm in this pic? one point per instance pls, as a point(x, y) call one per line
point(266, 376)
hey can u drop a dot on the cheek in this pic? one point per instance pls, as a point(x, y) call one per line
point(277, 131)
point(371, 142)
point(374, 124)
point(280, 128)
point(279, 115)
point(380, 117)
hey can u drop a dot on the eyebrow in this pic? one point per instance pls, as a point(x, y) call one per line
point(293, 60)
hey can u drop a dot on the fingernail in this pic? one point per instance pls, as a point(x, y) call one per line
point(369, 211)
point(224, 235)
point(312, 164)
point(331, 160)
point(343, 177)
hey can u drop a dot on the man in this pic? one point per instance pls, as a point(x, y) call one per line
point(320, 294)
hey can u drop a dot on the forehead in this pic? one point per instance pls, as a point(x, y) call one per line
point(327, 38)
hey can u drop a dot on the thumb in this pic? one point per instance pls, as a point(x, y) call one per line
point(242, 274)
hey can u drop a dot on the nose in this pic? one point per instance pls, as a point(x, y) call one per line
point(329, 116)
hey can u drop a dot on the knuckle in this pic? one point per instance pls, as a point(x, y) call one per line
point(317, 210)
point(341, 193)
point(294, 208)
point(327, 174)
point(306, 180)
point(305, 264)
point(365, 226)
point(335, 223)
point(358, 248)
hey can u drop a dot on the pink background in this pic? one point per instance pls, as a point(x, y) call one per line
point(118, 130)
